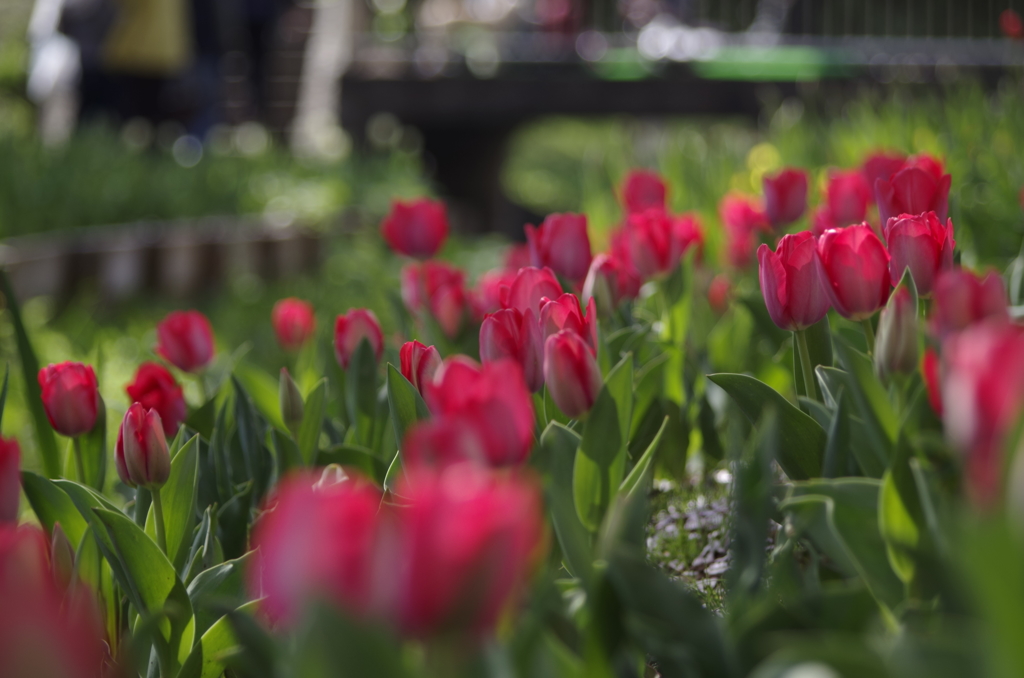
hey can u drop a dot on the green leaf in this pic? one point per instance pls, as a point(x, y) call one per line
point(250, 429)
point(215, 588)
point(753, 507)
point(837, 451)
point(868, 392)
point(218, 642)
point(619, 383)
point(407, 407)
point(264, 390)
point(334, 644)
point(819, 345)
point(312, 422)
point(361, 393)
point(643, 466)
point(600, 462)
point(179, 501)
point(868, 442)
point(52, 505)
point(802, 440)
point(602, 436)
point(901, 518)
point(558, 445)
point(30, 378)
point(394, 470)
point(93, 448)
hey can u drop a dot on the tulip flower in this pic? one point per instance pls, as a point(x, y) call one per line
point(643, 190)
point(419, 363)
point(495, 396)
point(854, 270)
point(445, 441)
point(10, 479)
point(921, 243)
point(881, 165)
point(896, 346)
point(294, 321)
point(351, 329)
point(438, 289)
point(785, 196)
point(155, 388)
point(517, 257)
point(913, 190)
point(417, 228)
point(491, 288)
point(70, 397)
point(962, 298)
point(742, 218)
point(790, 282)
point(293, 409)
point(566, 313)
point(185, 339)
point(1011, 24)
point(821, 220)
point(719, 292)
point(571, 373)
point(510, 333)
point(141, 454)
point(930, 376)
point(610, 281)
point(561, 243)
point(528, 288)
point(848, 195)
point(656, 241)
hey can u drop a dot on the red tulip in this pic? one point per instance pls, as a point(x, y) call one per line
point(70, 397)
point(495, 396)
point(571, 373)
point(530, 286)
point(294, 321)
point(742, 218)
point(155, 388)
point(417, 228)
point(10, 479)
point(610, 281)
point(963, 298)
point(913, 190)
point(562, 244)
point(419, 363)
point(790, 282)
point(854, 270)
point(821, 220)
point(490, 289)
point(929, 163)
point(438, 289)
point(930, 376)
point(566, 313)
point(848, 195)
point(517, 257)
point(881, 165)
point(922, 244)
point(141, 454)
point(510, 333)
point(444, 441)
point(656, 241)
point(1011, 24)
point(643, 190)
point(719, 292)
point(351, 329)
point(785, 196)
point(185, 339)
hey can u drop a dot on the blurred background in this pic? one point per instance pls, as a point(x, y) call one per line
point(222, 154)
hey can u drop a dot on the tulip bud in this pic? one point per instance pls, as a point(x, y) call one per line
point(439, 289)
point(70, 397)
point(185, 339)
point(419, 363)
point(896, 344)
point(10, 479)
point(854, 270)
point(848, 196)
point(350, 330)
point(643, 190)
point(141, 454)
point(561, 243)
point(785, 196)
point(921, 243)
point(62, 557)
point(571, 373)
point(913, 190)
point(156, 389)
point(417, 228)
point(530, 286)
point(790, 282)
point(610, 281)
point(508, 333)
point(292, 407)
point(294, 321)
point(962, 298)
point(719, 292)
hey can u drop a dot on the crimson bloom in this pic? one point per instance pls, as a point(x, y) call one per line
point(1011, 24)
point(495, 397)
point(643, 190)
point(962, 298)
point(610, 281)
point(141, 454)
point(848, 195)
point(70, 396)
point(913, 190)
point(155, 388)
point(881, 165)
point(491, 288)
point(562, 244)
point(719, 292)
point(742, 217)
point(185, 339)
point(294, 321)
point(571, 373)
point(351, 329)
point(528, 288)
point(438, 289)
point(790, 282)
point(10, 479)
point(921, 243)
point(930, 376)
point(419, 363)
point(444, 441)
point(656, 241)
point(566, 313)
point(416, 228)
point(511, 333)
point(853, 267)
point(785, 196)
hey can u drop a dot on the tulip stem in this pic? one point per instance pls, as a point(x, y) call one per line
point(158, 519)
point(869, 334)
point(810, 390)
point(79, 464)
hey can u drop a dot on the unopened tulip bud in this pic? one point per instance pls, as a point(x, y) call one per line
point(70, 397)
point(292, 407)
point(141, 454)
point(62, 557)
point(571, 373)
point(351, 329)
point(896, 345)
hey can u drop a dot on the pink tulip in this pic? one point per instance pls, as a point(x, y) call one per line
point(156, 389)
point(963, 298)
point(417, 228)
point(517, 257)
point(921, 243)
point(853, 267)
point(656, 241)
point(566, 313)
point(562, 244)
point(70, 397)
point(294, 321)
point(10, 479)
point(643, 190)
point(351, 329)
point(719, 293)
point(1011, 24)
point(141, 453)
point(930, 376)
point(571, 373)
point(491, 288)
point(610, 281)
point(785, 196)
point(848, 195)
point(510, 333)
point(185, 339)
point(530, 286)
point(822, 220)
point(495, 396)
point(743, 218)
point(444, 441)
point(881, 165)
point(913, 190)
point(419, 363)
point(438, 289)
point(790, 282)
